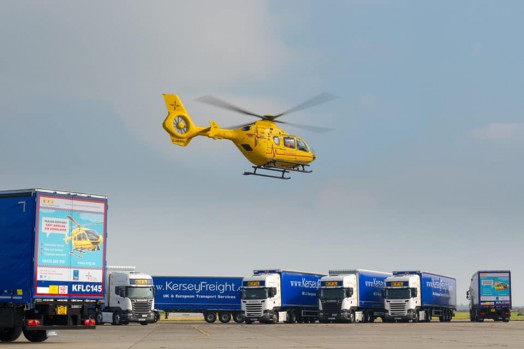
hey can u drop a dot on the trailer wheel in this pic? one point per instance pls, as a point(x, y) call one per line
point(210, 317)
point(238, 318)
point(36, 336)
point(224, 317)
point(10, 334)
point(117, 318)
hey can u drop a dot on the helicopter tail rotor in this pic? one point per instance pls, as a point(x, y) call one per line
point(178, 123)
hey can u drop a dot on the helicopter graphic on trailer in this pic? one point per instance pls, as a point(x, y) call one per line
point(83, 239)
point(268, 147)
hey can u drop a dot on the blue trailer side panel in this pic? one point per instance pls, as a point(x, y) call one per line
point(371, 286)
point(494, 288)
point(17, 243)
point(438, 290)
point(197, 293)
point(299, 289)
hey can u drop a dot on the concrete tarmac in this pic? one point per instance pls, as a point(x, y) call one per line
point(165, 335)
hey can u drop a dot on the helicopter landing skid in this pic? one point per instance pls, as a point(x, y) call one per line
point(282, 171)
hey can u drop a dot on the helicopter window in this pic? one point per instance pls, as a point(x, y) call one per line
point(301, 145)
point(289, 142)
point(93, 236)
point(276, 140)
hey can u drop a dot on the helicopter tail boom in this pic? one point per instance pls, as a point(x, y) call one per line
point(178, 123)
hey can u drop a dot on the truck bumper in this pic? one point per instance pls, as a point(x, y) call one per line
point(342, 316)
point(133, 317)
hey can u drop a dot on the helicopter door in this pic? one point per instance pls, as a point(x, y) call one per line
point(289, 152)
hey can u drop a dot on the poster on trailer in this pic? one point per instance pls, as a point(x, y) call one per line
point(70, 246)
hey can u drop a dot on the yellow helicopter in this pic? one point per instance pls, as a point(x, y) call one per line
point(83, 239)
point(262, 142)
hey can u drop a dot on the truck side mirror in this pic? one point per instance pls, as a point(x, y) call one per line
point(414, 292)
point(468, 295)
point(272, 292)
point(349, 292)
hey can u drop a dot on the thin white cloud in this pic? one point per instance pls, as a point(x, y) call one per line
point(499, 131)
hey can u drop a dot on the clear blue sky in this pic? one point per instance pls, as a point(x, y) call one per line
point(423, 169)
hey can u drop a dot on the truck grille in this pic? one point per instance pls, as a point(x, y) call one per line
point(397, 309)
point(254, 310)
point(141, 307)
point(331, 308)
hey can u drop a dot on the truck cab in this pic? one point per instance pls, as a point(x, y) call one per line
point(337, 297)
point(402, 297)
point(129, 298)
point(261, 298)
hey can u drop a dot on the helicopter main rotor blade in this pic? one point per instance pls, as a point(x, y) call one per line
point(225, 105)
point(321, 98)
point(317, 129)
point(73, 220)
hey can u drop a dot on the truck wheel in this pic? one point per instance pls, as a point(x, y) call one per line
point(428, 315)
point(10, 334)
point(505, 319)
point(238, 318)
point(352, 316)
point(224, 317)
point(290, 317)
point(36, 336)
point(275, 317)
point(210, 317)
point(249, 322)
point(117, 318)
point(98, 318)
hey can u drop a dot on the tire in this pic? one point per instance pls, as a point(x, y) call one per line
point(275, 317)
point(117, 318)
point(36, 336)
point(364, 316)
point(290, 317)
point(238, 318)
point(210, 317)
point(428, 315)
point(144, 323)
point(352, 316)
point(224, 317)
point(248, 322)
point(10, 334)
point(99, 318)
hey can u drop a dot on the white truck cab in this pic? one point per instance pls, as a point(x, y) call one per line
point(403, 297)
point(129, 297)
point(337, 297)
point(261, 297)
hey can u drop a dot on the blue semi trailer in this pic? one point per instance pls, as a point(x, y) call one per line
point(418, 296)
point(352, 295)
point(277, 295)
point(214, 297)
point(53, 261)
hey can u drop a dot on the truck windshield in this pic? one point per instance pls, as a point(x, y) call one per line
point(254, 293)
point(140, 292)
point(398, 293)
point(332, 293)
